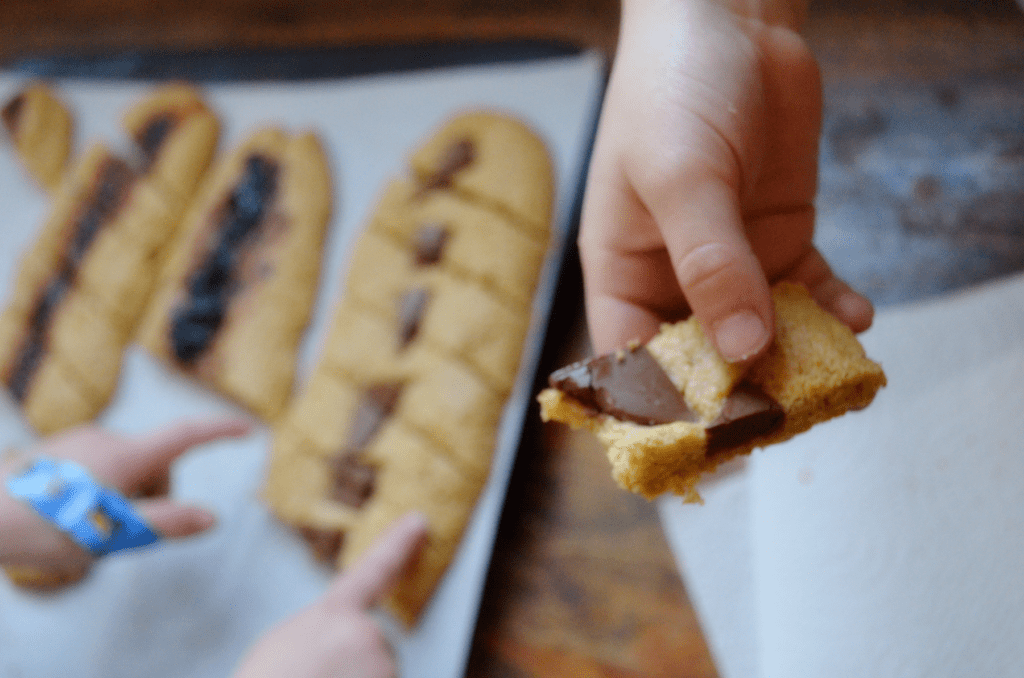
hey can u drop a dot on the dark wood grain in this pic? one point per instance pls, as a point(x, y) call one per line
point(91, 26)
point(582, 582)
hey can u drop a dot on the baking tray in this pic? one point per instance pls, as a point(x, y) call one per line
point(192, 608)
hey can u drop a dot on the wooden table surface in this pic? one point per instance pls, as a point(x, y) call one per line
point(582, 582)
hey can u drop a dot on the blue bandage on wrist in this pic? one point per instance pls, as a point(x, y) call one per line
point(97, 518)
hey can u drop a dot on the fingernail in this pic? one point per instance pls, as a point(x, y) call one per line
point(205, 520)
point(740, 336)
point(854, 310)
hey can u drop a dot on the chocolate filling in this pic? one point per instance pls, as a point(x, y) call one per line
point(152, 136)
point(114, 180)
point(628, 385)
point(457, 157)
point(748, 413)
point(326, 544)
point(108, 196)
point(11, 113)
point(429, 243)
point(196, 321)
point(376, 405)
point(353, 481)
point(631, 385)
point(410, 313)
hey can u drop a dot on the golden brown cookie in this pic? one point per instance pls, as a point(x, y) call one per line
point(175, 134)
point(672, 410)
point(479, 244)
point(41, 128)
point(50, 306)
point(493, 160)
point(402, 410)
point(83, 284)
point(237, 290)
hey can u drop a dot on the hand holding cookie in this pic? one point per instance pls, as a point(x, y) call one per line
point(700, 191)
point(36, 554)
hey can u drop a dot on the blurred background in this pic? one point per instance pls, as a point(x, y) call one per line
point(921, 192)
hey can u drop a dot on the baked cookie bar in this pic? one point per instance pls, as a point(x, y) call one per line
point(41, 128)
point(237, 290)
point(82, 285)
point(175, 135)
point(670, 411)
point(402, 410)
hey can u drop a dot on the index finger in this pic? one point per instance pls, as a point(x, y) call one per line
point(716, 267)
point(155, 451)
point(370, 578)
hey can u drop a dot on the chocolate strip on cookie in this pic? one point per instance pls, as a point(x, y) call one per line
point(324, 543)
point(629, 385)
point(60, 349)
point(236, 226)
point(437, 298)
point(107, 195)
point(492, 160)
point(84, 283)
point(236, 292)
point(176, 134)
point(815, 370)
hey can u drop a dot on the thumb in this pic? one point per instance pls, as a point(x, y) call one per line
point(371, 577)
point(172, 520)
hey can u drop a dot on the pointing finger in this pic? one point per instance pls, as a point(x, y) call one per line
point(172, 520)
point(154, 452)
point(373, 576)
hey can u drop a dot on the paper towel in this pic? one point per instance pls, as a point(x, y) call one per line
point(887, 542)
point(890, 542)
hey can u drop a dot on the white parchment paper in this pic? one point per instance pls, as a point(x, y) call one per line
point(192, 608)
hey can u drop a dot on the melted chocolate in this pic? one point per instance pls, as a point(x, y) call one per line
point(113, 182)
point(457, 157)
point(632, 386)
point(11, 113)
point(748, 413)
point(110, 192)
point(197, 320)
point(352, 481)
point(152, 136)
point(429, 243)
point(410, 313)
point(629, 385)
point(377, 404)
point(326, 544)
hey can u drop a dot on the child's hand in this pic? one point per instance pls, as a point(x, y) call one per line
point(336, 636)
point(138, 467)
point(703, 176)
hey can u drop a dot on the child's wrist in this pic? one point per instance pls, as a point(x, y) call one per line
point(13, 514)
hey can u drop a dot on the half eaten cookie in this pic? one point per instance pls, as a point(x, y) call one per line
point(672, 410)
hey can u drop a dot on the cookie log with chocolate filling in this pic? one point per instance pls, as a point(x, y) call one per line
point(437, 298)
point(237, 291)
point(672, 410)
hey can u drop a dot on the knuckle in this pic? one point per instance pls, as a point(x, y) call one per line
point(706, 268)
